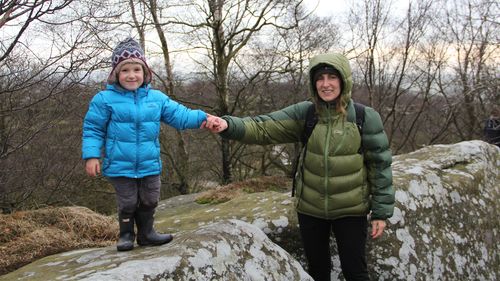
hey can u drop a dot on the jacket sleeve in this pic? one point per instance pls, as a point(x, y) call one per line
point(94, 127)
point(181, 117)
point(282, 126)
point(378, 159)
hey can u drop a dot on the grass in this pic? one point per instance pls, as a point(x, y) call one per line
point(26, 236)
point(227, 192)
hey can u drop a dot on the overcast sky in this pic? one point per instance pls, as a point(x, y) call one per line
point(340, 7)
point(327, 7)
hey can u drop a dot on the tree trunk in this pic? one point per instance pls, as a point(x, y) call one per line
point(181, 159)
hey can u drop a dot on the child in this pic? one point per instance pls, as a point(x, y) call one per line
point(123, 125)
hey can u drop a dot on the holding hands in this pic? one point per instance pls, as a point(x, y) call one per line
point(214, 124)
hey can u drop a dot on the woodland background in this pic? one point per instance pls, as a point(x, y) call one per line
point(431, 71)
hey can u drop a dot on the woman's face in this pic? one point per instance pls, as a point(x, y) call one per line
point(328, 87)
point(131, 76)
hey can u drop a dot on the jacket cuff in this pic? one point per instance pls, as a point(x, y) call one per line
point(235, 128)
point(91, 153)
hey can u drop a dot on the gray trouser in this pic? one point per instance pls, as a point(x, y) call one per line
point(131, 194)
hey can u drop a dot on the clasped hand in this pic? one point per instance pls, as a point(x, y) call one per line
point(214, 124)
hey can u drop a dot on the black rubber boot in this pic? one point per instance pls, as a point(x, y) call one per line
point(146, 235)
point(127, 235)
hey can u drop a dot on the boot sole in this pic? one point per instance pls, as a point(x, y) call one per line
point(155, 244)
point(124, 249)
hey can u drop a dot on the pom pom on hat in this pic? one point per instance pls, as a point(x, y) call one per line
point(128, 51)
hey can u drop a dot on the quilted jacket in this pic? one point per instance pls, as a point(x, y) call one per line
point(123, 127)
point(334, 180)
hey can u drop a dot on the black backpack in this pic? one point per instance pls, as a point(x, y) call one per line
point(492, 131)
point(310, 123)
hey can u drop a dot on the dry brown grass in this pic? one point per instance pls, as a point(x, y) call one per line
point(29, 235)
point(235, 189)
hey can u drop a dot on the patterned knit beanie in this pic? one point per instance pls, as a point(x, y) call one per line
point(128, 51)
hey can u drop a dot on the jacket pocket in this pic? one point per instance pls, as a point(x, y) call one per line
point(110, 149)
point(158, 152)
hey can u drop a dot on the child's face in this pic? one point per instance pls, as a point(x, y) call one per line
point(131, 76)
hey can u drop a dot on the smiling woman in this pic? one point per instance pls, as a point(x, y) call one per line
point(340, 188)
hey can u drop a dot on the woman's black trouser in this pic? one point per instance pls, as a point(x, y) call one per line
point(350, 234)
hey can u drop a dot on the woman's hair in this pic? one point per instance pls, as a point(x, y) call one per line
point(341, 105)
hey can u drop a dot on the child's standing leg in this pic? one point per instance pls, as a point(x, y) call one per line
point(149, 195)
point(127, 199)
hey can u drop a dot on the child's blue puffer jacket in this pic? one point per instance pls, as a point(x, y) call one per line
point(124, 126)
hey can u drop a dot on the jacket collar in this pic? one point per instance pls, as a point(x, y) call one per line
point(141, 91)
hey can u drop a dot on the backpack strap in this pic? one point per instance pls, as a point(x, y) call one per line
point(309, 124)
point(360, 121)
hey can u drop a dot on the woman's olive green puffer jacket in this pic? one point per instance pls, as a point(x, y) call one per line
point(334, 180)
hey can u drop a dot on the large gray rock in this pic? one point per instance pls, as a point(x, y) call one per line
point(226, 250)
point(446, 221)
point(445, 225)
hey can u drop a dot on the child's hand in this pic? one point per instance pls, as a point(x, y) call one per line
point(214, 124)
point(92, 167)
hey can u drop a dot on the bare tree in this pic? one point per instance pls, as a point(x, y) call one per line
point(145, 15)
point(221, 30)
point(431, 71)
point(282, 62)
point(19, 15)
point(409, 86)
point(406, 63)
point(399, 61)
point(15, 19)
point(369, 26)
point(470, 81)
point(180, 164)
point(40, 63)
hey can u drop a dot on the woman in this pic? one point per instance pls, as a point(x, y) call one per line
point(340, 184)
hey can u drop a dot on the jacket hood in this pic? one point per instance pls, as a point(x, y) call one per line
point(340, 63)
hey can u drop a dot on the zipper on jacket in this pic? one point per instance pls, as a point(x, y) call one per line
point(137, 127)
point(325, 155)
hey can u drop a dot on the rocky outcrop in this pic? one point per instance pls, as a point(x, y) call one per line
point(226, 250)
point(445, 227)
point(446, 224)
